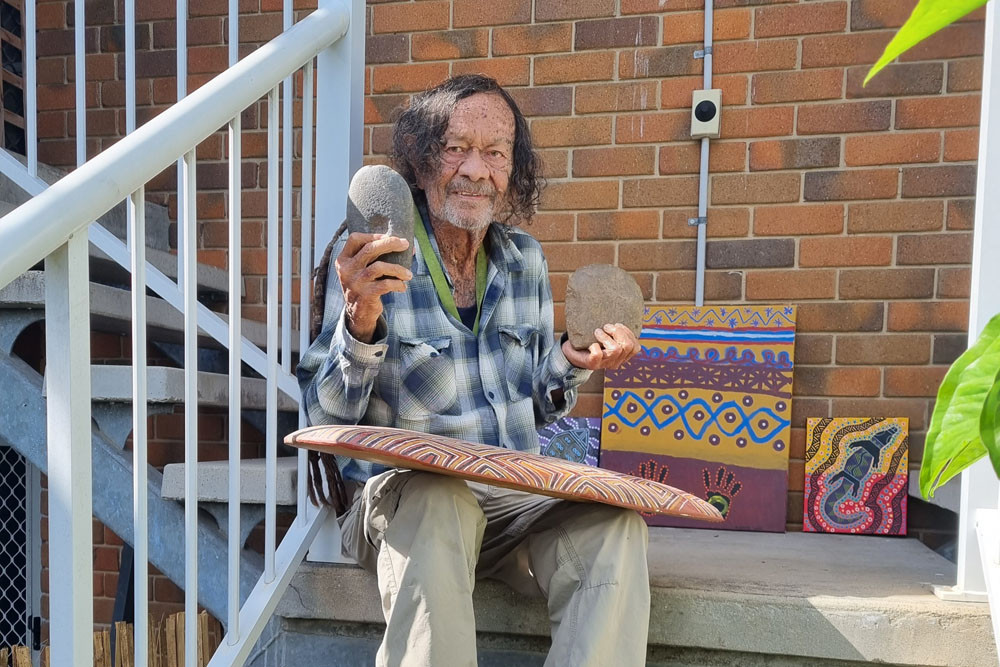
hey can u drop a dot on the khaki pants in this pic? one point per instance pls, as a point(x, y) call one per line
point(429, 537)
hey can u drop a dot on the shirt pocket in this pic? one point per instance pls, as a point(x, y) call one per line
point(519, 343)
point(427, 378)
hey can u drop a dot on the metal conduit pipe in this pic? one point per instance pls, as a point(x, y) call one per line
point(699, 281)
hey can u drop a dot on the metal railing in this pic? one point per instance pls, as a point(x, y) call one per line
point(55, 225)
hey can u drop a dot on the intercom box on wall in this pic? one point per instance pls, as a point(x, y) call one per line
point(706, 110)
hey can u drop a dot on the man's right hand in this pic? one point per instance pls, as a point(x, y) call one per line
point(364, 279)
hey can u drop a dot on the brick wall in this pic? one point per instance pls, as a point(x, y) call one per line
point(853, 203)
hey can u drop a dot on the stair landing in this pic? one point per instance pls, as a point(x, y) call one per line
point(752, 597)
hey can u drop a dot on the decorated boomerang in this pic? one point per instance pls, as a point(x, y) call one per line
point(534, 473)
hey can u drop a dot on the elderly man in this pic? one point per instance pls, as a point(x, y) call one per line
point(463, 346)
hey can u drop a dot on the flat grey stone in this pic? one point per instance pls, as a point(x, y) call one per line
point(379, 202)
point(600, 294)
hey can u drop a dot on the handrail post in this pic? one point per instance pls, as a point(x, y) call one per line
point(340, 72)
point(70, 493)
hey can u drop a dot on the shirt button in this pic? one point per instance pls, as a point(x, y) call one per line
point(378, 353)
point(490, 395)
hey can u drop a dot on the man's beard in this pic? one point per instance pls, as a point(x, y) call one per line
point(470, 221)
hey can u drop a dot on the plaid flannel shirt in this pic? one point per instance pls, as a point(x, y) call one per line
point(425, 371)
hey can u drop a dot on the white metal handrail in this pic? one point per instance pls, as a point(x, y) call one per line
point(35, 229)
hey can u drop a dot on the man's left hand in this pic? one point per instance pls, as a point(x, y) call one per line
point(615, 345)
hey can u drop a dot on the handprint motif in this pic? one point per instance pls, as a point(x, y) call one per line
point(653, 471)
point(720, 489)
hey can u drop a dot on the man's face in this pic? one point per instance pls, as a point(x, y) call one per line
point(475, 164)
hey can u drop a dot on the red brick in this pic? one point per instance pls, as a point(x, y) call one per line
point(813, 349)
point(949, 181)
point(886, 283)
point(953, 283)
point(756, 122)
point(378, 110)
point(629, 32)
point(656, 256)
point(807, 85)
point(595, 66)
point(571, 256)
point(928, 315)
point(663, 191)
point(750, 253)
point(723, 222)
point(961, 214)
point(755, 56)
point(850, 184)
point(470, 13)
point(844, 117)
point(560, 10)
point(547, 101)
point(798, 219)
point(532, 39)
point(884, 349)
point(689, 27)
point(686, 158)
point(658, 6)
point(895, 148)
point(604, 97)
point(947, 248)
point(846, 251)
point(949, 347)
point(618, 161)
point(954, 41)
point(451, 44)
point(725, 286)
point(615, 225)
point(676, 91)
point(965, 75)
point(914, 381)
point(914, 409)
point(897, 216)
point(794, 154)
point(755, 188)
point(390, 48)
point(850, 381)
point(791, 285)
point(653, 127)
point(408, 78)
point(551, 226)
point(961, 145)
point(580, 195)
point(873, 14)
point(950, 111)
point(555, 163)
point(896, 80)
point(840, 316)
point(840, 50)
point(588, 131)
point(515, 71)
point(411, 17)
point(802, 19)
point(659, 62)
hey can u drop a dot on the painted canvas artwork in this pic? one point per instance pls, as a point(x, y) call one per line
point(706, 407)
point(572, 438)
point(856, 475)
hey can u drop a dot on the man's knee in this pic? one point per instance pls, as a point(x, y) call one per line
point(440, 493)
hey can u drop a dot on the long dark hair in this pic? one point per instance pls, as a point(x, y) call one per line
point(419, 130)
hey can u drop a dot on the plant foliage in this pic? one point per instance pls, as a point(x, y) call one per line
point(965, 421)
point(927, 18)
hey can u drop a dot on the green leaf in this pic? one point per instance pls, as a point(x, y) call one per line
point(927, 18)
point(989, 424)
point(953, 441)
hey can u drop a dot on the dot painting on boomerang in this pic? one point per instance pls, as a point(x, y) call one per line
point(503, 467)
point(706, 406)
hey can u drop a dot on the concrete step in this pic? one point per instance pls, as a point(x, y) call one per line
point(115, 220)
point(717, 598)
point(111, 310)
point(113, 384)
point(213, 481)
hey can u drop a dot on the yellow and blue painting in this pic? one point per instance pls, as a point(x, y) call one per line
point(856, 475)
point(706, 407)
point(572, 438)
